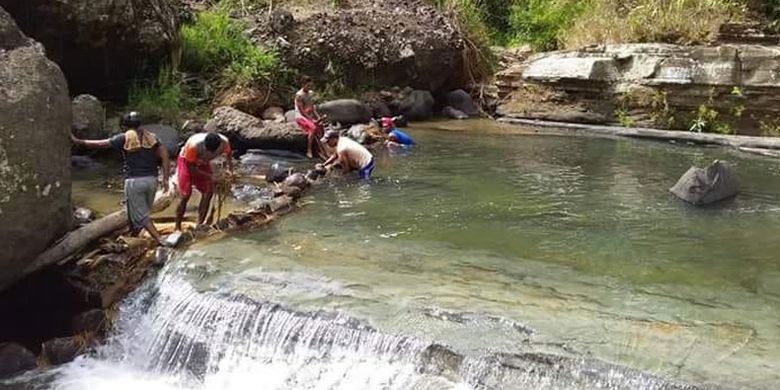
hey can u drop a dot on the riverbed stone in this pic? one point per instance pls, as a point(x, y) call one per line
point(418, 105)
point(345, 111)
point(85, 163)
point(15, 359)
point(89, 117)
point(83, 215)
point(274, 114)
point(463, 102)
point(248, 132)
point(704, 186)
point(91, 321)
point(35, 120)
point(168, 137)
point(63, 350)
point(452, 113)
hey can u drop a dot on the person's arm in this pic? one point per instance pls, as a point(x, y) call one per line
point(332, 159)
point(229, 158)
point(91, 144)
point(162, 152)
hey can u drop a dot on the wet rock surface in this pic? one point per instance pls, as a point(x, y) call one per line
point(100, 44)
point(248, 132)
point(83, 215)
point(92, 321)
point(703, 186)
point(417, 105)
point(15, 359)
point(63, 350)
point(345, 111)
point(463, 102)
point(35, 204)
point(384, 43)
point(453, 113)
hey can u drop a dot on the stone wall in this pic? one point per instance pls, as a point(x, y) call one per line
point(652, 85)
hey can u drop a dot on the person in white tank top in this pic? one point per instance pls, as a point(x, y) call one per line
point(349, 154)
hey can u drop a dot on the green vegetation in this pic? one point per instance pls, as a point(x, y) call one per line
point(215, 45)
point(541, 23)
point(470, 17)
point(163, 99)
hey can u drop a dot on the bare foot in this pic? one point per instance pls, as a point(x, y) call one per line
point(309, 155)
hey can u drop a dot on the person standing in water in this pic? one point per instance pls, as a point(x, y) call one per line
point(395, 136)
point(143, 156)
point(307, 117)
point(193, 168)
point(349, 154)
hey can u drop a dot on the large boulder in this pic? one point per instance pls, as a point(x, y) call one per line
point(62, 350)
point(382, 43)
point(714, 183)
point(248, 132)
point(89, 117)
point(35, 120)
point(15, 359)
point(345, 111)
point(418, 105)
point(101, 45)
point(462, 101)
point(168, 136)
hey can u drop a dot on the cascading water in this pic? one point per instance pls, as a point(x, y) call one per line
point(169, 335)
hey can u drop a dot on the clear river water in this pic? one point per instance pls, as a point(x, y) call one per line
point(477, 260)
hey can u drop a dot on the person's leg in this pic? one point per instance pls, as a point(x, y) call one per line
point(181, 209)
point(366, 172)
point(310, 145)
point(149, 226)
point(185, 190)
point(203, 208)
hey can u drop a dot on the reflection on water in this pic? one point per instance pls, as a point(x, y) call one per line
point(499, 244)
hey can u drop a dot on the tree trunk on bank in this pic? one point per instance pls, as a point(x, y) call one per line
point(78, 239)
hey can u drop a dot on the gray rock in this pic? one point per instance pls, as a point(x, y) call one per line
point(275, 114)
point(15, 359)
point(248, 132)
point(168, 136)
point(714, 183)
point(62, 350)
point(462, 101)
point(89, 118)
point(10, 36)
point(289, 116)
point(92, 321)
point(83, 215)
point(379, 109)
point(296, 180)
point(35, 119)
point(101, 44)
point(278, 172)
point(345, 111)
point(418, 105)
point(453, 113)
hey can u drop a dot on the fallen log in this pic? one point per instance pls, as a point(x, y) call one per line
point(78, 239)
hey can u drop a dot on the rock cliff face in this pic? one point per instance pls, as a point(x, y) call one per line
point(100, 44)
point(727, 87)
point(374, 43)
point(35, 119)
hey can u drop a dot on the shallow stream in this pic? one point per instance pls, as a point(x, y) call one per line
point(473, 261)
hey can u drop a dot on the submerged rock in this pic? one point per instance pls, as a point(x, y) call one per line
point(83, 215)
point(714, 183)
point(15, 359)
point(345, 111)
point(35, 149)
point(92, 321)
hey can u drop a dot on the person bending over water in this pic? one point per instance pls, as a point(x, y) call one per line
point(307, 118)
point(143, 156)
point(395, 136)
point(349, 154)
point(193, 168)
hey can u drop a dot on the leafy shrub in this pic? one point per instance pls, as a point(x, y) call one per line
point(215, 44)
point(468, 16)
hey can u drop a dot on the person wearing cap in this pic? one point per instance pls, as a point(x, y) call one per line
point(143, 156)
point(193, 169)
point(349, 154)
point(395, 136)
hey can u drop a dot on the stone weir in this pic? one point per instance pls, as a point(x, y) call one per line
point(728, 89)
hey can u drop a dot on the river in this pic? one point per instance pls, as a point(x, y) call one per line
point(476, 260)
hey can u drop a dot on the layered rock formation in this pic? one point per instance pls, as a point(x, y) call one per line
point(720, 88)
point(35, 120)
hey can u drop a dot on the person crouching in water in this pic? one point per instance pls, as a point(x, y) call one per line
point(307, 118)
point(349, 154)
point(395, 136)
point(143, 156)
point(193, 168)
